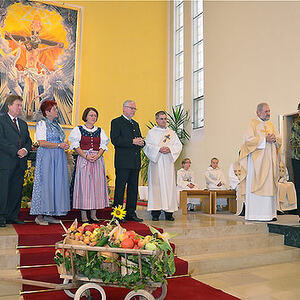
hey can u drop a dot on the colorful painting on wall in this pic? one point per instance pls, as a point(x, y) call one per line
point(39, 45)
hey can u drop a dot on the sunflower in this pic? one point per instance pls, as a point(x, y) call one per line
point(119, 212)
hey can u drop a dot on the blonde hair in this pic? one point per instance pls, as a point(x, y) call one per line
point(185, 160)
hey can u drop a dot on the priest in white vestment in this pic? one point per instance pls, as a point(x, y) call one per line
point(259, 160)
point(162, 148)
point(186, 181)
point(286, 196)
point(215, 180)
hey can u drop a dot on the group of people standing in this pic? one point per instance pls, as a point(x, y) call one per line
point(259, 162)
point(51, 193)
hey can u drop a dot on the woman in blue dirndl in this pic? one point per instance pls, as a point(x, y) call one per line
point(51, 196)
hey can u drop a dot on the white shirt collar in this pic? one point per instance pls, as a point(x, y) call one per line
point(12, 118)
point(126, 117)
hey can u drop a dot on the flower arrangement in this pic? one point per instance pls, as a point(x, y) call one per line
point(136, 269)
point(27, 186)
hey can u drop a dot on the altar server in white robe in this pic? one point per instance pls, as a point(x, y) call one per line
point(215, 180)
point(286, 196)
point(234, 176)
point(186, 181)
point(259, 160)
point(162, 148)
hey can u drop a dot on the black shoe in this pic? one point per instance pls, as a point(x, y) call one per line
point(274, 219)
point(134, 218)
point(242, 214)
point(16, 221)
point(92, 221)
point(155, 218)
point(279, 212)
point(170, 218)
point(2, 223)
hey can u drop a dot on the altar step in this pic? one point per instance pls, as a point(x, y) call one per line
point(10, 289)
point(189, 247)
point(195, 232)
point(212, 249)
point(248, 258)
point(8, 241)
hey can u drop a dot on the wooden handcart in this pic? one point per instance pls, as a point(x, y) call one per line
point(72, 280)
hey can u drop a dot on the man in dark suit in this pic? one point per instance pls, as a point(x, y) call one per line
point(126, 137)
point(15, 143)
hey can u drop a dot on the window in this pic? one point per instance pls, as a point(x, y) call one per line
point(178, 52)
point(187, 59)
point(197, 64)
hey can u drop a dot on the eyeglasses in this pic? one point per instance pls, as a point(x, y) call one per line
point(132, 108)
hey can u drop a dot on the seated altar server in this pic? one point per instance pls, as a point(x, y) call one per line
point(186, 181)
point(215, 180)
point(162, 148)
point(286, 196)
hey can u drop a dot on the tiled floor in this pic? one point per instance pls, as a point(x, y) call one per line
point(280, 281)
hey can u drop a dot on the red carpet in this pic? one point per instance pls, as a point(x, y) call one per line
point(31, 234)
point(72, 215)
point(178, 289)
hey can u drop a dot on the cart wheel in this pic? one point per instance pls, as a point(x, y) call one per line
point(86, 287)
point(164, 291)
point(68, 292)
point(139, 295)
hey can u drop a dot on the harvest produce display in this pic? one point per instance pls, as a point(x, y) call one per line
point(114, 255)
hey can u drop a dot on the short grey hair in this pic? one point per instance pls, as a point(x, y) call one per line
point(260, 106)
point(127, 102)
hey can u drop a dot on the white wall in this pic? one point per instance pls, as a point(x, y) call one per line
point(252, 55)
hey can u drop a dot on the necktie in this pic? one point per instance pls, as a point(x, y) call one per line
point(15, 123)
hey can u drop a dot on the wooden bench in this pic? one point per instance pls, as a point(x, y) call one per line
point(229, 194)
point(209, 199)
point(202, 194)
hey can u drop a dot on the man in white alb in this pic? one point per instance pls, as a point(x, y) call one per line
point(162, 148)
point(259, 160)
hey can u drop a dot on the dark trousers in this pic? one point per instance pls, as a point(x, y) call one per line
point(131, 178)
point(296, 169)
point(11, 181)
point(156, 213)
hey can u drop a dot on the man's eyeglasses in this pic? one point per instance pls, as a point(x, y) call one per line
point(132, 108)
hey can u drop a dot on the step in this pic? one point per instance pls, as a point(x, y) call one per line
point(8, 241)
point(9, 289)
point(227, 243)
point(9, 259)
point(239, 259)
point(217, 231)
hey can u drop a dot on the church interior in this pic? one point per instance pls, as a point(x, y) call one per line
point(145, 51)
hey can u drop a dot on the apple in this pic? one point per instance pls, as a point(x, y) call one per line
point(150, 246)
point(141, 243)
point(88, 228)
point(127, 243)
point(123, 236)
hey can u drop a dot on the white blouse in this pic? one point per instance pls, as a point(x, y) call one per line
point(75, 137)
point(41, 131)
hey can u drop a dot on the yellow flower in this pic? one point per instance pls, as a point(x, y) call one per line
point(119, 212)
